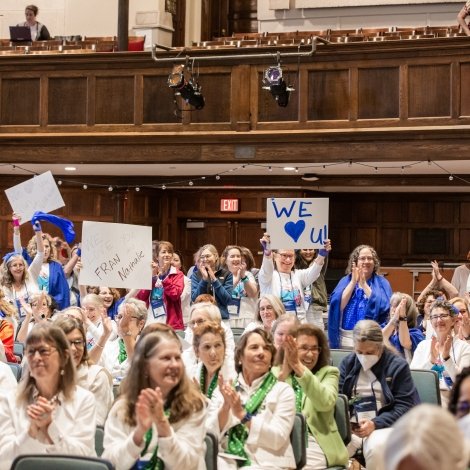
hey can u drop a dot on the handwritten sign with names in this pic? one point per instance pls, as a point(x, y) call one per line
point(116, 255)
point(297, 223)
point(36, 194)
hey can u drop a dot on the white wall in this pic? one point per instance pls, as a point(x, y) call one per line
point(298, 19)
point(67, 17)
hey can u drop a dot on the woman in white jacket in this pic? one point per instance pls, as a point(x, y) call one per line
point(257, 416)
point(443, 352)
point(90, 376)
point(50, 414)
point(277, 276)
point(159, 418)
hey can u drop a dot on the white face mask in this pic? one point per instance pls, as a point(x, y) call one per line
point(367, 360)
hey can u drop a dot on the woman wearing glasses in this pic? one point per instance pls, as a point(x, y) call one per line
point(462, 321)
point(278, 276)
point(361, 294)
point(91, 377)
point(158, 420)
point(209, 278)
point(303, 362)
point(49, 414)
point(443, 352)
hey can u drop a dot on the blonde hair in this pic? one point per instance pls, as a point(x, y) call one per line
point(32, 248)
point(6, 278)
point(429, 434)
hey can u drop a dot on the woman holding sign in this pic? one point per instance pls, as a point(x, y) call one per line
point(278, 276)
point(361, 294)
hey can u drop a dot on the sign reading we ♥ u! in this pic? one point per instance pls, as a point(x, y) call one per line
point(295, 223)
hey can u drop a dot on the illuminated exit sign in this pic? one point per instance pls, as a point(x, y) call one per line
point(229, 205)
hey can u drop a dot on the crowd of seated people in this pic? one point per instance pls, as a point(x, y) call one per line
point(250, 354)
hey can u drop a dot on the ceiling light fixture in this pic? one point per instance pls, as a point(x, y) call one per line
point(310, 177)
point(70, 168)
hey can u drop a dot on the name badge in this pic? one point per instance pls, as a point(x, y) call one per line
point(290, 306)
point(365, 408)
point(158, 308)
point(234, 307)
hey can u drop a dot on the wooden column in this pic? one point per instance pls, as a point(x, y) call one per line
point(123, 25)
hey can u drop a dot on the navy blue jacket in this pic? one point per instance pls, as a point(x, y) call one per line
point(394, 375)
point(221, 289)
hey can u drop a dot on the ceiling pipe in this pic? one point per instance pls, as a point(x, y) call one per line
point(261, 55)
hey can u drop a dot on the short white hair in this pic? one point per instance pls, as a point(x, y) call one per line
point(209, 308)
point(429, 434)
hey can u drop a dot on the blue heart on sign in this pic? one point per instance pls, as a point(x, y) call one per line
point(294, 230)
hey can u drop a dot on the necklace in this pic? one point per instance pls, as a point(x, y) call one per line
point(212, 385)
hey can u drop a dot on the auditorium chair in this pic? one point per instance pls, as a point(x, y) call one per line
point(212, 446)
point(337, 355)
point(59, 462)
point(427, 384)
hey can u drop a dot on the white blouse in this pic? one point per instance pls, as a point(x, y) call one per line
point(72, 429)
point(98, 381)
point(183, 450)
point(268, 444)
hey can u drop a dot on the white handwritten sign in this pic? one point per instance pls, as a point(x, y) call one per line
point(36, 194)
point(116, 255)
point(297, 223)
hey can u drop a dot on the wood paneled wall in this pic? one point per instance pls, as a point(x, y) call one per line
point(339, 87)
point(387, 222)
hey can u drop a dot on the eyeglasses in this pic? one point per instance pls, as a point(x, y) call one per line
point(205, 256)
point(285, 256)
point(119, 317)
point(441, 316)
point(78, 343)
point(313, 349)
point(365, 258)
point(43, 352)
point(194, 323)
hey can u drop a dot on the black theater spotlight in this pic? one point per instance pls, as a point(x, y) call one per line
point(188, 89)
point(273, 81)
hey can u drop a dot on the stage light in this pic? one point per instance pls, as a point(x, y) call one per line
point(189, 90)
point(274, 82)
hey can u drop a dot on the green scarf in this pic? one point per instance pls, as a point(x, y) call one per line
point(122, 356)
point(298, 393)
point(212, 385)
point(238, 435)
point(155, 462)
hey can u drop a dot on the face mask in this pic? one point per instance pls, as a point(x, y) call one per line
point(367, 360)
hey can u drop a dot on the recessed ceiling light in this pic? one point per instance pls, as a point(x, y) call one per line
point(310, 177)
point(69, 168)
point(289, 168)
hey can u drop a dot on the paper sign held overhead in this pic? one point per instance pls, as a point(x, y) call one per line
point(297, 223)
point(36, 194)
point(116, 255)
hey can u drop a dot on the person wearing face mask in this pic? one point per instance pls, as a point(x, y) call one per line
point(380, 390)
point(360, 295)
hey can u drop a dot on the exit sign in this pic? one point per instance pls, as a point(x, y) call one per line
point(229, 205)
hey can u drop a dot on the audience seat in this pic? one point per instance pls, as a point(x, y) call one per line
point(16, 369)
point(136, 43)
point(212, 446)
point(99, 437)
point(427, 384)
point(337, 355)
point(59, 462)
point(298, 440)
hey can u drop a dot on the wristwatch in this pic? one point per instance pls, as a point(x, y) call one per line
point(403, 319)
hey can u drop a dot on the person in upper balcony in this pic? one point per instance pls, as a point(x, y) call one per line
point(360, 295)
point(39, 32)
point(461, 277)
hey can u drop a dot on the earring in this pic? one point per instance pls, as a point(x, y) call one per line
point(62, 372)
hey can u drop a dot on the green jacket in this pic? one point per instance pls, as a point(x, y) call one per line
point(318, 407)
